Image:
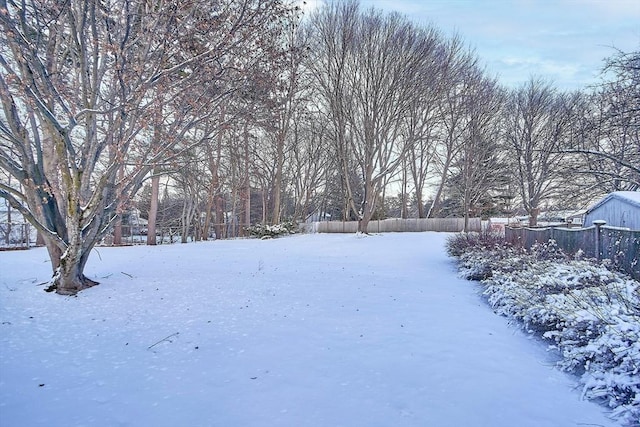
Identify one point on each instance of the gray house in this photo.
(619, 209)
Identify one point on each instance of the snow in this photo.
(310, 330)
(630, 196)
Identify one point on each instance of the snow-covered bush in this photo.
(480, 254)
(461, 243)
(267, 231)
(549, 251)
(589, 313)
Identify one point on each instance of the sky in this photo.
(564, 41)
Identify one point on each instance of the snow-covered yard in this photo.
(311, 330)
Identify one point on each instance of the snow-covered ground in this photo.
(310, 330)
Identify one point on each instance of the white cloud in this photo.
(563, 40)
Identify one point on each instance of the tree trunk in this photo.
(247, 185)
(363, 223)
(69, 278)
(206, 227)
(435, 206)
(188, 209)
(7, 235)
(533, 217)
(219, 226)
(404, 214)
(420, 202)
(368, 207)
(465, 207)
(215, 182)
(55, 253)
(264, 204)
(153, 210)
(117, 231)
(247, 206)
(277, 187)
(117, 228)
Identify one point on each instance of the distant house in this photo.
(555, 218)
(619, 209)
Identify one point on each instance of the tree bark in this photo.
(153, 210)
(533, 217)
(277, 187)
(247, 184)
(117, 231)
(69, 278)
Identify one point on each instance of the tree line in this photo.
(241, 111)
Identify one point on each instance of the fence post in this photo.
(599, 223)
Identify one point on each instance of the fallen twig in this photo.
(163, 339)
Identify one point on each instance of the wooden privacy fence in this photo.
(451, 225)
(621, 246)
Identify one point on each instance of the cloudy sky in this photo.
(564, 41)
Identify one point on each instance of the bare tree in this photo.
(309, 160)
(458, 66)
(286, 100)
(606, 135)
(422, 123)
(537, 126)
(479, 170)
(78, 90)
(367, 66)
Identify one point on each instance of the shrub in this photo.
(549, 251)
(265, 231)
(461, 243)
(590, 314)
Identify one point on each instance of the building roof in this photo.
(631, 197)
